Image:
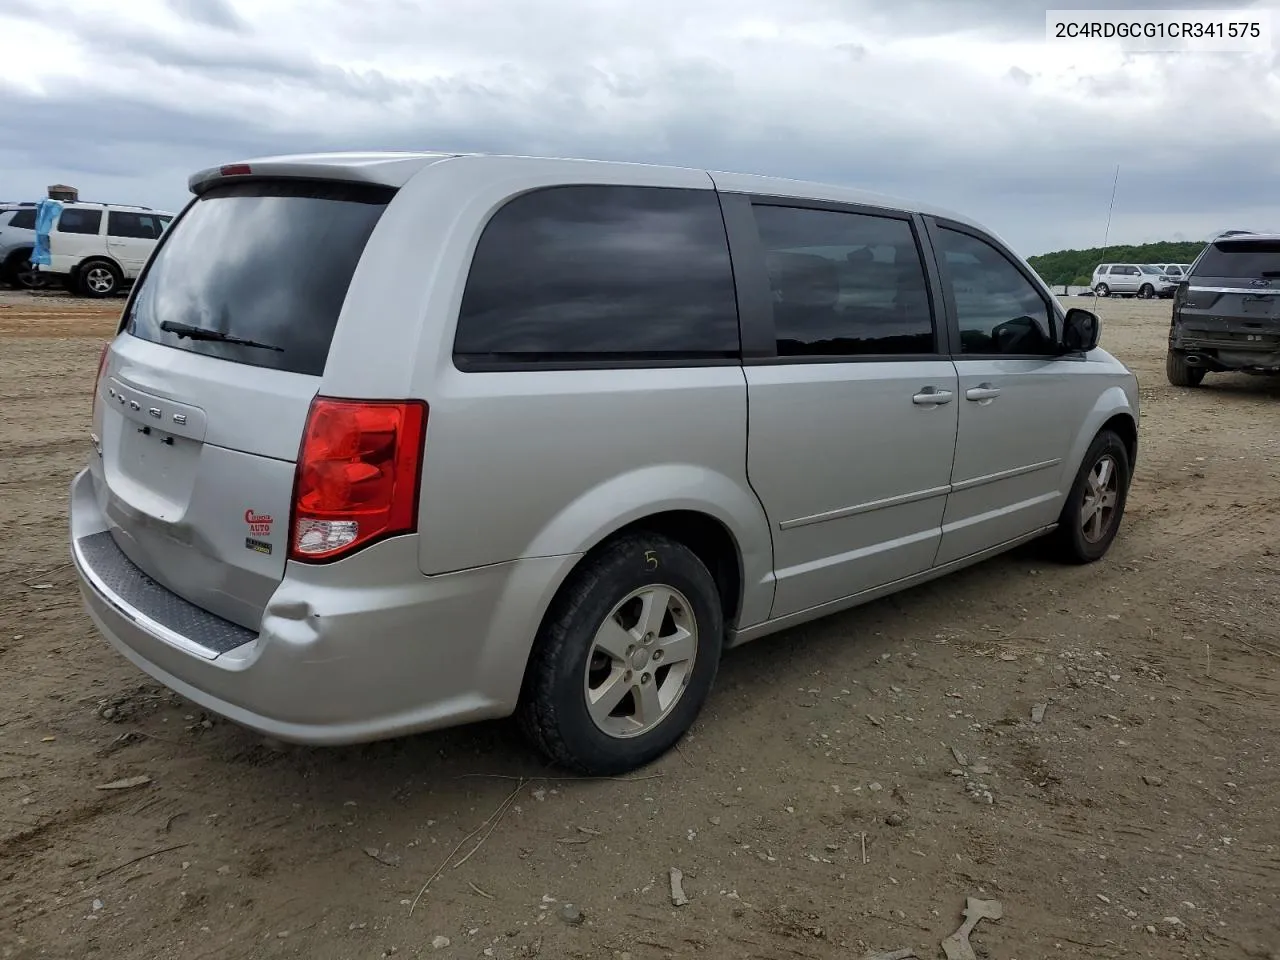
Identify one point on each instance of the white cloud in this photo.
(959, 102)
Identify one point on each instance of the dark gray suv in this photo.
(1226, 314)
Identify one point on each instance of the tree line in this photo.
(1075, 267)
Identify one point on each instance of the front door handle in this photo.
(931, 397)
(982, 392)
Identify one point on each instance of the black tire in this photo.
(27, 277)
(1181, 373)
(1102, 290)
(1070, 541)
(1145, 291)
(553, 709)
(98, 278)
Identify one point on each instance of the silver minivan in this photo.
(391, 442)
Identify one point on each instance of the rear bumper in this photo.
(1223, 351)
(358, 650)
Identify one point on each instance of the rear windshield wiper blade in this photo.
(204, 333)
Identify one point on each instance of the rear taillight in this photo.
(1180, 298)
(357, 476)
(97, 381)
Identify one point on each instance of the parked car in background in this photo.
(1226, 317)
(324, 498)
(17, 238)
(1176, 272)
(1131, 280)
(1172, 274)
(97, 249)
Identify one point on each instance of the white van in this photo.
(98, 248)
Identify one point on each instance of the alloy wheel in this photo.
(1101, 495)
(641, 660)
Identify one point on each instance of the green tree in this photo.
(1076, 266)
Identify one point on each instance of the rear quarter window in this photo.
(23, 220)
(599, 274)
(267, 261)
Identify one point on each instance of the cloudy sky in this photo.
(957, 102)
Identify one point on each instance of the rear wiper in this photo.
(204, 333)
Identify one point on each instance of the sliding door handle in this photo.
(931, 397)
(983, 391)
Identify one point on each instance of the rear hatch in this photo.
(202, 400)
(1232, 297)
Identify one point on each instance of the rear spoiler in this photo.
(380, 169)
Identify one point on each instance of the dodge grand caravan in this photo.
(386, 443)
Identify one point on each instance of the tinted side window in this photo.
(122, 224)
(80, 221)
(141, 226)
(844, 284)
(601, 273)
(999, 310)
(23, 220)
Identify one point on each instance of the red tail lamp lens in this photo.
(357, 475)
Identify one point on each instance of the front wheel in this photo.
(625, 658)
(1091, 517)
(1146, 291)
(1102, 290)
(1180, 373)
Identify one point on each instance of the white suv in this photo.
(96, 248)
(1142, 280)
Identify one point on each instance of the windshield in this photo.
(1148, 268)
(1240, 260)
(263, 261)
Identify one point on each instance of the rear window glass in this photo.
(261, 261)
(1240, 260)
(600, 273)
(23, 220)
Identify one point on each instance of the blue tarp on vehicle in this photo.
(46, 216)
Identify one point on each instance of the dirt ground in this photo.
(849, 785)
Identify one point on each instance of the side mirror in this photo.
(1081, 330)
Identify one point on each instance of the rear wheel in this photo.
(1102, 290)
(1181, 373)
(625, 658)
(1091, 517)
(29, 278)
(99, 278)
